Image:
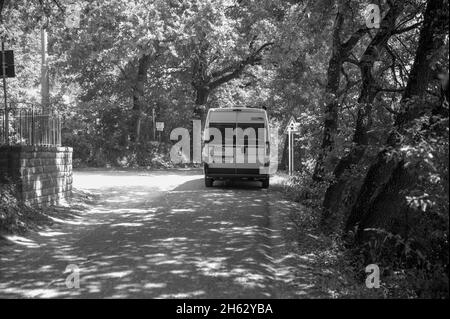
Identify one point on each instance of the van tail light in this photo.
(267, 157)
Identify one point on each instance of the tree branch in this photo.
(353, 40)
(387, 108)
(392, 90)
(233, 71)
(395, 56)
(352, 61)
(214, 84)
(406, 29)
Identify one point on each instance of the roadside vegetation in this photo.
(372, 103)
(15, 217)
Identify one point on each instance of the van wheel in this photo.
(265, 183)
(209, 182)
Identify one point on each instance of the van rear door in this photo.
(251, 131)
(222, 153)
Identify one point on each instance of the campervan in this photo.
(236, 145)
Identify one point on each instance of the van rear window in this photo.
(257, 127)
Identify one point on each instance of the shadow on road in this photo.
(136, 241)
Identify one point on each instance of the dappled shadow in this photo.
(153, 238)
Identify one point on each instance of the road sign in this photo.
(160, 126)
(292, 126)
(9, 64)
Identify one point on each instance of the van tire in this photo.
(265, 183)
(209, 182)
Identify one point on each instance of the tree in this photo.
(381, 202)
(370, 87)
(115, 48)
(340, 52)
(223, 43)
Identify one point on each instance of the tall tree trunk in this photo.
(380, 202)
(204, 81)
(2, 4)
(339, 53)
(201, 98)
(330, 122)
(369, 90)
(200, 79)
(139, 96)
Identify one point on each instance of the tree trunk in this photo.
(330, 123)
(369, 90)
(2, 4)
(201, 98)
(380, 202)
(340, 52)
(204, 80)
(200, 78)
(138, 97)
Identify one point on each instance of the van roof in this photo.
(231, 109)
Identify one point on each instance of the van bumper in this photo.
(234, 173)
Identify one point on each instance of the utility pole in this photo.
(6, 119)
(45, 100)
(154, 124)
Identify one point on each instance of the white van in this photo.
(236, 145)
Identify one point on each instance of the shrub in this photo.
(303, 189)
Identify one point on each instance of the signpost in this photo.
(7, 71)
(154, 123)
(45, 84)
(159, 128)
(8, 57)
(291, 129)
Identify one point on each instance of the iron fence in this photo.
(30, 126)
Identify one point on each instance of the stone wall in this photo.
(42, 175)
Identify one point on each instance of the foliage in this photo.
(301, 188)
(132, 59)
(16, 217)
